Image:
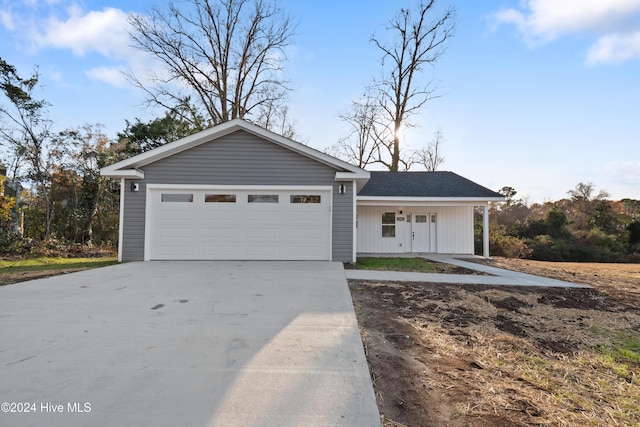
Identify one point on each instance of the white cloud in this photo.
(112, 75)
(614, 22)
(65, 25)
(104, 32)
(626, 173)
(7, 19)
(615, 49)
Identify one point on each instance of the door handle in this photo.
(413, 235)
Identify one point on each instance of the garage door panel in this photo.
(228, 233)
(257, 251)
(262, 233)
(220, 217)
(263, 215)
(220, 251)
(177, 215)
(176, 233)
(307, 253)
(304, 238)
(214, 226)
(176, 250)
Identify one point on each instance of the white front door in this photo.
(423, 233)
(420, 236)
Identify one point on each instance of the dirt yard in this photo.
(472, 355)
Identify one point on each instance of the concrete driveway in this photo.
(185, 343)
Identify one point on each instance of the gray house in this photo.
(239, 192)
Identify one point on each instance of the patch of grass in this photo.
(54, 263)
(14, 271)
(619, 346)
(397, 264)
(587, 388)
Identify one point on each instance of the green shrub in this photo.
(509, 247)
(546, 248)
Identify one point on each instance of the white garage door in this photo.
(239, 224)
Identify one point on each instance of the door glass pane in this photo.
(421, 218)
(176, 198)
(409, 218)
(262, 198)
(300, 198)
(220, 198)
(433, 218)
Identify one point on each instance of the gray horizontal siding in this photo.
(237, 159)
(342, 232)
(133, 223)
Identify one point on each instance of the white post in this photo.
(485, 231)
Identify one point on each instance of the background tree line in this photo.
(585, 227)
(225, 59)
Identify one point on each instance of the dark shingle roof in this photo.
(423, 184)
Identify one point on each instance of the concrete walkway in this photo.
(498, 276)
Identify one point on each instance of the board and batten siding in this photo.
(454, 229)
(239, 158)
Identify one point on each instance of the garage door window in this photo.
(219, 198)
(300, 198)
(262, 198)
(389, 224)
(176, 198)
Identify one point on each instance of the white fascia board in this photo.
(301, 148)
(350, 176)
(417, 201)
(174, 147)
(122, 173)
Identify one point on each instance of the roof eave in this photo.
(350, 176)
(122, 173)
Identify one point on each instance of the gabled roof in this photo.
(128, 168)
(424, 185)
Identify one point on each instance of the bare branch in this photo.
(430, 157)
(367, 134)
(417, 42)
(226, 56)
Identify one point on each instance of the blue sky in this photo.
(538, 95)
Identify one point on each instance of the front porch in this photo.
(420, 228)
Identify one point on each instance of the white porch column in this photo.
(485, 231)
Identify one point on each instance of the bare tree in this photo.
(417, 41)
(227, 56)
(431, 157)
(361, 147)
(274, 115)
